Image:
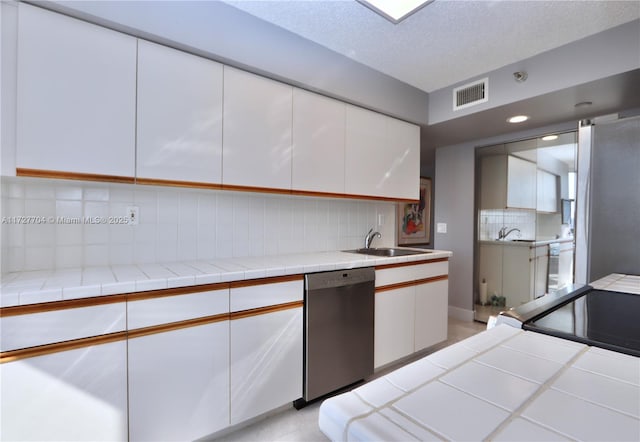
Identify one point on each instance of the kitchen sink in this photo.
(387, 251)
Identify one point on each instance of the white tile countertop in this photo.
(526, 242)
(502, 384)
(617, 282)
(22, 288)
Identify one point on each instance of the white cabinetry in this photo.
(266, 347)
(507, 182)
(318, 143)
(547, 188)
(179, 120)
(76, 96)
(257, 131)
(382, 156)
(179, 370)
(518, 271)
(411, 309)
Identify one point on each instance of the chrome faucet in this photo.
(503, 233)
(369, 238)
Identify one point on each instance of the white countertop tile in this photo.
(521, 430)
(23, 287)
(450, 412)
(520, 364)
(497, 387)
(601, 390)
(378, 392)
(546, 347)
(581, 420)
(625, 368)
(414, 429)
(414, 374)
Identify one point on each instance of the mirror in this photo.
(525, 193)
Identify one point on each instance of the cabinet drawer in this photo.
(30, 330)
(263, 295)
(396, 275)
(167, 309)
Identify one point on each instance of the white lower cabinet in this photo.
(179, 383)
(411, 312)
(266, 362)
(394, 325)
(432, 305)
(73, 395)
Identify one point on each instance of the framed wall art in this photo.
(414, 220)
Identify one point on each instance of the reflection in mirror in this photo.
(525, 221)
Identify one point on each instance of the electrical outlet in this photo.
(133, 213)
(441, 227)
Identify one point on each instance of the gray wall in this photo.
(454, 205)
(221, 32)
(610, 52)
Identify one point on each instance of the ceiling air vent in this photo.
(471, 94)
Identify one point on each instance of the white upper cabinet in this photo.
(318, 143)
(521, 183)
(179, 116)
(547, 192)
(76, 95)
(257, 131)
(382, 156)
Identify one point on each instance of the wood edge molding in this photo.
(404, 284)
(264, 310)
(60, 175)
(61, 305)
(264, 281)
(410, 263)
(81, 176)
(176, 291)
(171, 326)
(177, 183)
(41, 350)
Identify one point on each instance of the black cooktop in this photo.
(600, 318)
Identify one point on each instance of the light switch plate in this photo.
(441, 227)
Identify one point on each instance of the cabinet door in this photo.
(179, 116)
(179, 383)
(547, 191)
(394, 325)
(493, 182)
(431, 313)
(318, 143)
(403, 145)
(382, 155)
(74, 395)
(76, 95)
(266, 362)
(521, 183)
(257, 131)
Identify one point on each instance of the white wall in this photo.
(175, 224)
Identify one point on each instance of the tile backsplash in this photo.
(491, 221)
(78, 224)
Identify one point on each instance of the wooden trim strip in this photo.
(61, 305)
(177, 183)
(263, 281)
(60, 175)
(411, 283)
(162, 328)
(41, 350)
(176, 291)
(411, 263)
(265, 310)
(235, 188)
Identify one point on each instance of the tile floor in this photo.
(302, 425)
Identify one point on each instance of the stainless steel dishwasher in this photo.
(338, 332)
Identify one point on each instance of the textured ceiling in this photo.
(447, 41)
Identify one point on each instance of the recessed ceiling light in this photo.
(550, 138)
(518, 119)
(395, 10)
